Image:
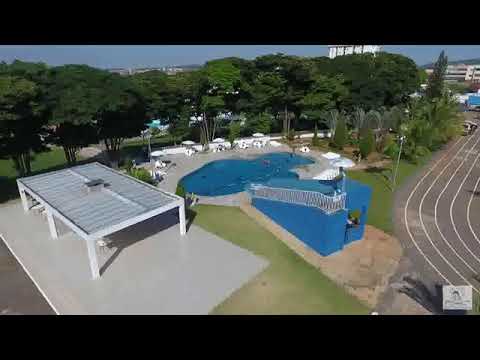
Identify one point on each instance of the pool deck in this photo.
(187, 164)
(151, 269)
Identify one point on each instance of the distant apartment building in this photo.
(339, 50)
(461, 73)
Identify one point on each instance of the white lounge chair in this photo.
(257, 144)
(189, 152)
(243, 145)
(160, 164)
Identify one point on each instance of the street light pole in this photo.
(402, 138)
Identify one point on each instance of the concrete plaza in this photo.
(149, 268)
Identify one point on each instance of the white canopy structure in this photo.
(258, 135)
(343, 162)
(327, 174)
(188, 142)
(95, 201)
(218, 140)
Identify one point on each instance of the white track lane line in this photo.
(468, 211)
(30, 276)
(436, 207)
(451, 210)
(405, 218)
(423, 224)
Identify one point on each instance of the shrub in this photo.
(392, 150)
(180, 191)
(234, 132)
(142, 175)
(340, 136)
(384, 142)
(128, 165)
(367, 143)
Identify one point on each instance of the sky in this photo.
(134, 56)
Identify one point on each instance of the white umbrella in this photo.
(258, 135)
(218, 140)
(343, 162)
(188, 142)
(331, 156)
(157, 153)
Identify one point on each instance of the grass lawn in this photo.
(380, 213)
(288, 286)
(50, 160)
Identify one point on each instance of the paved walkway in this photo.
(435, 219)
(150, 270)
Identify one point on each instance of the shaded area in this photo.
(8, 189)
(18, 294)
(122, 239)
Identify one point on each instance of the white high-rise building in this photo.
(339, 50)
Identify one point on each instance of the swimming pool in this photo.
(224, 177)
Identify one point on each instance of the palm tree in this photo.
(374, 120)
(331, 118)
(358, 119)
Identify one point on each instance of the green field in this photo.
(380, 213)
(289, 285)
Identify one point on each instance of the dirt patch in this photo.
(363, 267)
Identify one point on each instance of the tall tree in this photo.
(292, 75)
(340, 136)
(435, 84)
(21, 123)
(322, 96)
(75, 95)
(122, 114)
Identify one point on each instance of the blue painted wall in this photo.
(326, 234)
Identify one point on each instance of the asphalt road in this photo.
(437, 215)
(18, 294)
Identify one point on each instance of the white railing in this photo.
(329, 204)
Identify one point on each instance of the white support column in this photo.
(51, 225)
(23, 196)
(92, 257)
(181, 216)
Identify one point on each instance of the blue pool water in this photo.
(224, 177)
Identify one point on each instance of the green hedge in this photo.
(142, 174)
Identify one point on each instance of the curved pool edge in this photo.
(241, 188)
